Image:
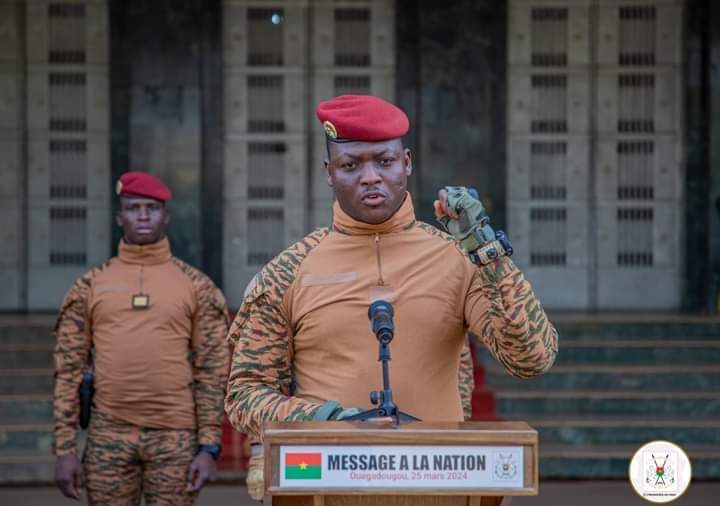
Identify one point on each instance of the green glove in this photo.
(472, 230)
(332, 410)
(345, 413)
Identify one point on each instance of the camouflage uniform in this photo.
(514, 328)
(123, 459)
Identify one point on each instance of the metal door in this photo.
(68, 145)
(594, 151)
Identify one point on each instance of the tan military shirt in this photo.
(305, 318)
(157, 327)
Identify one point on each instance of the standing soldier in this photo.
(303, 320)
(155, 328)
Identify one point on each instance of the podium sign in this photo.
(325, 461)
(387, 466)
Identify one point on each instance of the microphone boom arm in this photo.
(380, 314)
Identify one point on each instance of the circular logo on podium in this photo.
(660, 471)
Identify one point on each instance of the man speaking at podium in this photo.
(303, 347)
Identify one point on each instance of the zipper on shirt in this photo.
(380, 280)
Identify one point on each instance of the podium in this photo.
(418, 464)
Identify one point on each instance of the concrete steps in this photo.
(614, 387)
(676, 378)
(608, 402)
(698, 352)
(565, 461)
(18, 409)
(18, 467)
(18, 381)
(26, 386)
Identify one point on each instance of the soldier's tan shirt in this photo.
(305, 317)
(163, 366)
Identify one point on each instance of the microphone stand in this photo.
(384, 398)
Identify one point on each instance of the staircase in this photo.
(26, 385)
(614, 387)
(26, 419)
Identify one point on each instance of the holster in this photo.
(86, 391)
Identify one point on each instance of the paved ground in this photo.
(588, 493)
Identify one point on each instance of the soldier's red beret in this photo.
(361, 118)
(142, 184)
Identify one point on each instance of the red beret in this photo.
(142, 184)
(361, 118)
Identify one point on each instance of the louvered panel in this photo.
(265, 103)
(550, 243)
(265, 36)
(548, 169)
(267, 223)
(68, 124)
(266, 170)
(68, 102)
(352, 37)
(345, 64)
(639, 174)
(548, 121)
(549, 33)
(543, 102)
(639, 33)
(638, 256)
(632, 162)
(638, 169)
(352, 85)
(266, 123)
(639, 102)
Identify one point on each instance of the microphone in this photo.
(380, 314)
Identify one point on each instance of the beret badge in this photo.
(330, 130)
(118, 187)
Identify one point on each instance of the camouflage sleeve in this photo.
(260, 373)
(502, 310)
(72, 353)
(466, 380)
(261, 368)
(210, 356)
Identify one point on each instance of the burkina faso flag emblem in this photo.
(303, 466)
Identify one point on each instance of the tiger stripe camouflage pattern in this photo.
(517, 312)
(122, 462)
(209, 354)
(263, 346)
(466, 381)
(514, 329)
(72, 356)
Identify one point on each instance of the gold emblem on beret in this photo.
(330, 130)
(118, 187)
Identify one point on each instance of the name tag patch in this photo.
(328, 279)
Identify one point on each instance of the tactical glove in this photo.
(332, 410)
(472, 229)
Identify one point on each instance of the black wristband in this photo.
(214, 450)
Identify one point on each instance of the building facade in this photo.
(586, 125)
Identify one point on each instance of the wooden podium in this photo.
(418, 464)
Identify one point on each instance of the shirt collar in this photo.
(145, 254)
(402, 219)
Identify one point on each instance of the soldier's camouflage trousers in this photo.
(123, 462)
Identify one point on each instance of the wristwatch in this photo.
(491, 251)
(213, 449)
